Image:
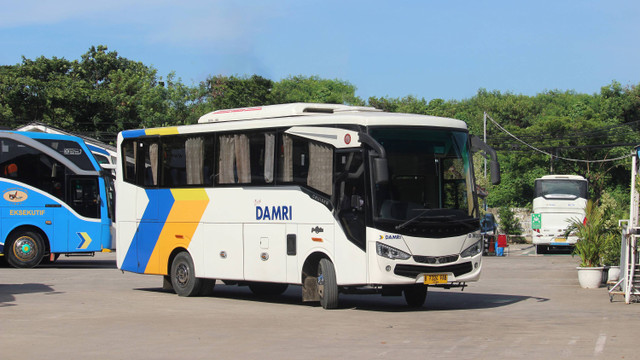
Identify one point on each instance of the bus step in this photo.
(89, 254)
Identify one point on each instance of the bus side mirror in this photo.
(380, 171)
(495, 172)
(477, 145)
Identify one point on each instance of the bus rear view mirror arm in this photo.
(479, 145)
(380, 168)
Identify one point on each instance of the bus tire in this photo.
(415, 295)
(327, 284)
(26, 249)
(268, 289)
(183, 277)
(541, 249)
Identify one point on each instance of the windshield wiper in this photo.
(442, 218)
(422, 215)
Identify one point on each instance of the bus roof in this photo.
(562, 177)
(42, 135)
(298, 114)
(31, 139)
(283, 110)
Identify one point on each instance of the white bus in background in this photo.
(334, 198)
(558, 199)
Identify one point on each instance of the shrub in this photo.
(509, 224)
(593, 234)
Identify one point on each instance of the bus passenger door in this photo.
(265, 252)
(83, 195)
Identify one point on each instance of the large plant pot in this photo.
(590, 277)
(613, 275)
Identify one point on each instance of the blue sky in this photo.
(430, 49)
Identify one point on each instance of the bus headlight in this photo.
(391, 252)
(472, 250)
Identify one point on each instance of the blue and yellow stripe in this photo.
(179, 212)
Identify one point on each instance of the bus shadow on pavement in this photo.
(242, 293)
(80, 264)
(8, 292)
(440, 301)
(436, 300)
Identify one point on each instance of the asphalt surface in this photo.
(524, 307)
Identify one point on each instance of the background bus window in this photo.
(28, 165)
(84, 196)
(70, 150)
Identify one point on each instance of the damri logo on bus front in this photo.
(274, 212)
(390, 237)
(15, 195)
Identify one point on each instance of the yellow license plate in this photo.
(560, 240)
(436, 279)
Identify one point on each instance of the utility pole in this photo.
(485, 141)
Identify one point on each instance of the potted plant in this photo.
(611, 257)
(593, 234)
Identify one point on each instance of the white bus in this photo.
(335, 198)
(558, 200)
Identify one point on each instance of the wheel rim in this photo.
(25, 248)
(182, 274)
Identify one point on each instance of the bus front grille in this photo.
(412, 271)
(435, 259)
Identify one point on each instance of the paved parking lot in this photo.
(525, 306)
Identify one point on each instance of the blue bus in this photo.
(56, 199)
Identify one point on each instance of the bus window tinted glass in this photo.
(28, 165)
(71, 150)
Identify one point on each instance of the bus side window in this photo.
(246, 158)
(306, 162)
(129, 161)
(234, 161)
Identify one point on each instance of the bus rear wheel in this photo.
(26, 250)
(327, 284)
(183, 276)
(415, 295)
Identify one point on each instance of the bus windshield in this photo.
(561, 189)
(430, 177)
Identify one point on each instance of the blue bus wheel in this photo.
(26, 250)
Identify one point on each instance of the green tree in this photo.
(229, 92)
(314, 90)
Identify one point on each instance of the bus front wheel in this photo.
(327, 284)
(26, 250)
(183, 277)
